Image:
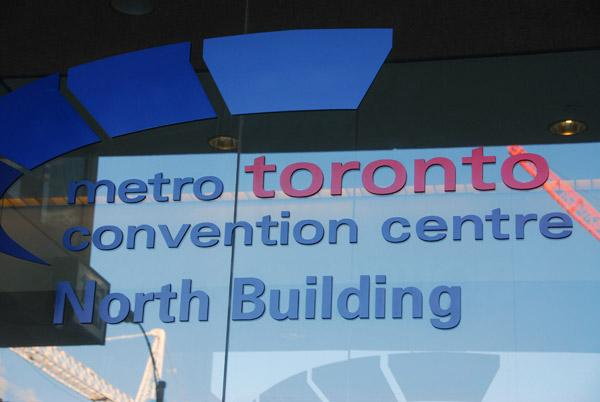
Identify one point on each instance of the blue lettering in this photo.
(67, 239)
(386, 230)
(104, 308)
(139, 188)
(65, 291)
(565, 223)
(239, 299)
(423, 227)
(453, 310)
(362, 293)
(317, 237)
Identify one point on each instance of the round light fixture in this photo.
(132, 7)
(567, 127)
(223, 143)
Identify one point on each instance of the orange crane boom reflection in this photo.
(566, 196)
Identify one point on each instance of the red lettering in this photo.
(476, 160)
(507, 171)
(369, 172)
(337, 175)
(286, 179)
(449, 173)
(258, 179)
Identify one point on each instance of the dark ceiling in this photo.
(39, 37)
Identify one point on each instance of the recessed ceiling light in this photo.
(132, 7)
(568, 127)
(223, 143)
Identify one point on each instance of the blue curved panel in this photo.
(38, 124)
(10, 247)
(8, 176)
(296, 70)
(141, 90)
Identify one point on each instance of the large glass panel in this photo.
(419, 306)
(484, 288)
(140, 232)
(175, 257)
(360, 284)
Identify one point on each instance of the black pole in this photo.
(159, 385)
(160, 391)
(149, 350)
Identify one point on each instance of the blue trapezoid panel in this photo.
(141, 90)
(8, 176)
(38, 124)
(321, 69)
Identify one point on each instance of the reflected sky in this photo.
(524, 301)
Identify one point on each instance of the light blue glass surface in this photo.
(527, 332)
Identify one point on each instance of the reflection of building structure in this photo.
(393, 377)
(29, 308)
(65, 369)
